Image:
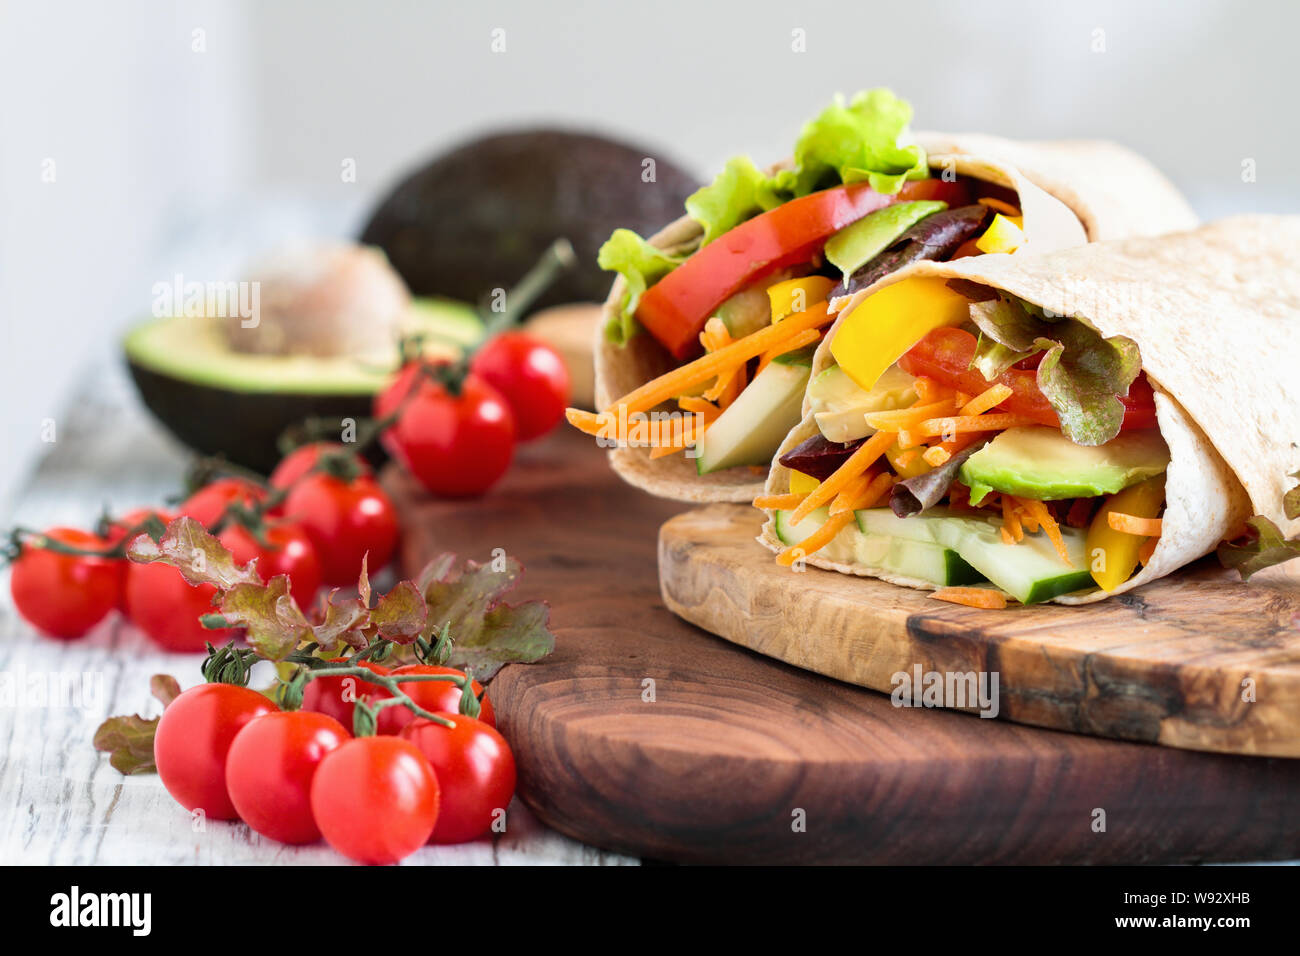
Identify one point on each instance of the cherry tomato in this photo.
(676, 307)
(208, 503)
(288, 551)
(193, 739)
(270, 767)
(475, 769)
(375, 799)
(337, 696)
(432, 695)
(65, 595)
(303, 459)
(345, 520)
(455, 445)
(945, 355)
(532, 378)
(167, 608)
(118, 529)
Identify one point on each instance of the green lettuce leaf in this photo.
(856, 143)
(641, 265)
(1262, 547)
(1082, 374)
(739, 192)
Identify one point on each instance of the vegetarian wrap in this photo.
(1058, 427)
(710, 328)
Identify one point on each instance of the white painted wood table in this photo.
(60, 801)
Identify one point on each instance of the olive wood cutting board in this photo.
(645, 734)
(1199, 660)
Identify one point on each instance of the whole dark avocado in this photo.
(476, 218)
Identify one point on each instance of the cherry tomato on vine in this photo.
(432, 695)
(455, 445)
(531, 376)
(475, 769)
(375, 799)
(269, 770)
(303, 459)
(65, 595)
(337, 696)
(288, 550)
(167, 608)
(208, 503)
(345, 520)
(193, 739)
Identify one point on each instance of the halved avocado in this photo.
(237, 404)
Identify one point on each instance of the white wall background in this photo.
(169, 143)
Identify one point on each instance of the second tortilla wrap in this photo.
(1071, 192)
(1215, 313)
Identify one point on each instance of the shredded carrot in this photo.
(997, 204)
(806, 337)
(854, 490)
(961, 398)
(874, 491)
(1080, 513)
(1011, 530)
(955, 425)
(778, 502)
(908, 439)
(1132, 524)
(928, 390)
(981, 403)
(715, 335)
(906, 419)
(699, 406)
(585, 421)
(972, 597)
(907, 457)
(685, 432)
(1038, 511)
(861, 459)
(680, 379)
(936, 456)
(1148, 548)
(815, 541)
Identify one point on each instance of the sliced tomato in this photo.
(945, 356)
(676, 307)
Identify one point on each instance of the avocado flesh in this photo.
(754, 425)
(839, 403)
(1037, 461)
(854, 246)
(220, 402)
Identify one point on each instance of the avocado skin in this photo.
(242, 427)
(477, 218)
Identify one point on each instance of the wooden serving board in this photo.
(735, 749)
(1199, 660)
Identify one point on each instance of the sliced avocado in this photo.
(1036, 461)
(923, 560)
(750, 309)
(754, 425)
(839, 403)
(854, 246)
(236, 404)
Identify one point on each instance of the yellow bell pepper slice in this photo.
(797, 295)
(1004, 234)
(879, 331)
(801, 484)
(917, 466)
(1113, 555)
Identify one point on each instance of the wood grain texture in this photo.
(735, 748)
(1169, 663)
(60, 801)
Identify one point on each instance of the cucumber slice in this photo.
(923, 560)
(1030, 570)
(752, 428)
